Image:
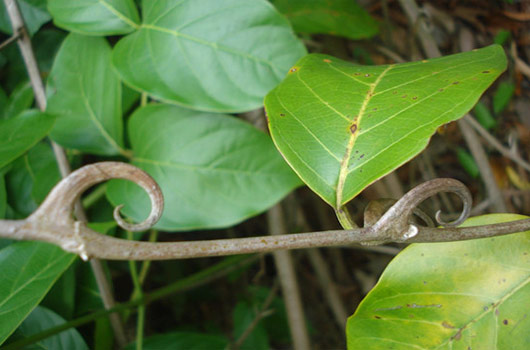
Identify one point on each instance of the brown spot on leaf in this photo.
(394, 92)
(446, 324)
(441, 89)
(485, 71)
(353, 128)
(377, 317)
(357, 73)
(456, 82)
(282, 115)
(415, 98)
(367, 75)
(403, 96)
(424, 61)
(505, 322)
(292, 70)
(326, 60)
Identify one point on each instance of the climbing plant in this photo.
(155, 97)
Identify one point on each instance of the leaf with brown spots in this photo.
(456, 295)
(333, 108)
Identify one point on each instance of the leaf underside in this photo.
(342, 126)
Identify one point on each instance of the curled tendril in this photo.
(60, 202)
(395, 222)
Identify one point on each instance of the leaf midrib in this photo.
(214, 46)
(118, 14)
(94, 118)
(343, 172)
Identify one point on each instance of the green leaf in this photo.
(502, 96)
(182, 340)
(337, 17)
(29, 269)
(41, 319)
(243, 316)
(457, 295)
(483, 115)
(20, 99)
(34, 14)
(85, 94)
(214, 170)
(61, 297)
(468, 162)
(31, 178)
(19, 134)
(208, 55)
(95, 17)
(502, 36)
(343, 126)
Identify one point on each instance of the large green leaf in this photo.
(19, 134)
(342, 126)
(337, 17)
(95, 17)
(41, 319)
(207, 54)
(85, 94)
(214, 170)
(457, 295)
(34, 14)
(29, 269)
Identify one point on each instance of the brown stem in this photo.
(53, 222)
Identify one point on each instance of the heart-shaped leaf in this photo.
(338, 17)
(85, 95)
(342, 126)
(95, 17)
(209, 55)
(455, 295)
(214, 170)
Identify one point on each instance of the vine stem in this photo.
(52, 222)
(30, 62)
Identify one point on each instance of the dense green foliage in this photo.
(153, 83)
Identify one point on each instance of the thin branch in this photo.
(505, 151)
(329, 287)
(263, 312)
(28, 55)
(288, 282)
(9, 40)
(53, 222)
(480, 156)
